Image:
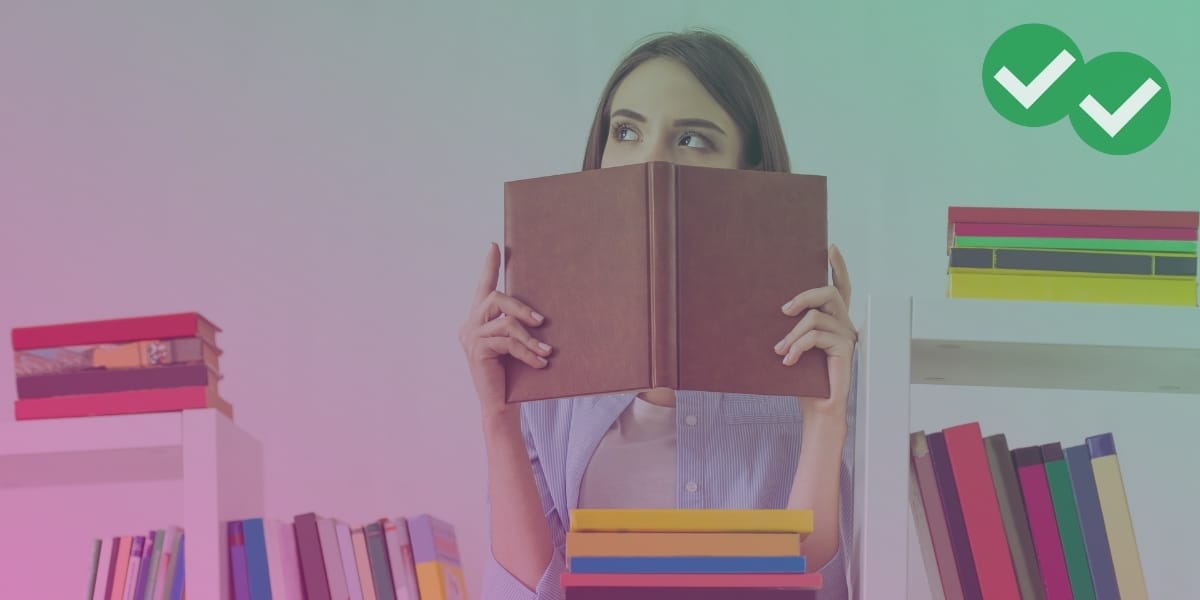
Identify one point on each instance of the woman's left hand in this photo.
(828, 327)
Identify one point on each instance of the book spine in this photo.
(362, 562)
(311, 559)
(113, 331)
(1043, 523)
(377, 557)
(354, 586)
(1074, 231)
(1068, 522)
(687, 564)
(952, 508)
(258, 572)
(981, 511)
(103, 380)
(1118, 521)
(663, 242)
(1091, 522)
(1074, 216)
(929, 516)
(120, 403)
(1016, 519)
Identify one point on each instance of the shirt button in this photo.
(690, 420)
(691, 486)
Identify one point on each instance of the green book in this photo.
(1173, 246)
(1062, 494)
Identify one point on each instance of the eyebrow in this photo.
(701, 123)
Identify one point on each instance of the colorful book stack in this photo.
(321, 558)
(1073, 255)
(139, 567)
(1035, 522)
(157, 363)
(697, 554)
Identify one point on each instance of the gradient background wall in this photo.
(322, 180)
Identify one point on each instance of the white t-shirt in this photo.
(634, 465)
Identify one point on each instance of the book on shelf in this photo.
(1072, 255)
(688, 553)
(153, 363)
(660, 275)
(142, 566)
(1039, 521)
(312, 556)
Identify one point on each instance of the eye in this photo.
(694, 140)
(624, 133)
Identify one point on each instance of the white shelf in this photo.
(217, 463)
(1148, 349)
(931, 341)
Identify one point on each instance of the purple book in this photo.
(312, 561)
(955, 523)
(177, 583)
(139, 592)
(1091, 521)
(114, 380)
(112, 568)
(239, 580)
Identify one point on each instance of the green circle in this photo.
(1112, 80)
(1024, 57)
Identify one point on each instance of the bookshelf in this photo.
(218, 465)
(908, 341)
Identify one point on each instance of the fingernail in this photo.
(779, 346)
(536, 316)
(788, 305)
(542, 360)
(545, 347)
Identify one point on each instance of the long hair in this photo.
(729, 76)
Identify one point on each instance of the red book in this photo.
(1074, 216)
(115, 331)
(1074, 231)
(981, 512)
(122, 403)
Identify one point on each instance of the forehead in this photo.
(664, 89)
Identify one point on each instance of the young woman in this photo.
(693, 99)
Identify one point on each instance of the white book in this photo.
(135, 560)
(346, 548)
(327, 532)
(404, 578)
(363, 557)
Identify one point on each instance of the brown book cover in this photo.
(660, 275)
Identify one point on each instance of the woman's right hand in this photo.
(496, 326)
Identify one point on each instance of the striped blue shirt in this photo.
(734, 451)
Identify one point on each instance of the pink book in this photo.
(795, 581)
(114, 331)
(981, 512)
(1073, 231)
(400, 558)
(162, 581)
(292, 587)
(1043, 524)
(122, 567)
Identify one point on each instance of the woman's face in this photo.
(661, 112)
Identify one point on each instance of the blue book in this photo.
(687, 564)
(177, 584)
(255, 537)
(1091, 521)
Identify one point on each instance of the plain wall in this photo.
(322, 181)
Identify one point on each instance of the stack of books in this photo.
(156, 363)
(1040, 521)
(141, 567)
(696, 554)
(314, 557)
(1073, 255)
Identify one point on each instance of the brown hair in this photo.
(729, 76)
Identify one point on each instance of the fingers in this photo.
(508, 326)
(832, 343)
(826, 299)
(491, 275)
(841, 277)
(496, 303)
(492, 347)
(815, 320)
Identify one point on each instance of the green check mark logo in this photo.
(1034, 75)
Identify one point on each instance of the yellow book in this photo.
(630, 543)
(695, 520)
(1118, 523)
(1060, 286)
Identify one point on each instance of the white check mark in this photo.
(1028, 94)
(1113, 123)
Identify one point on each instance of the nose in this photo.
(659, 153)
